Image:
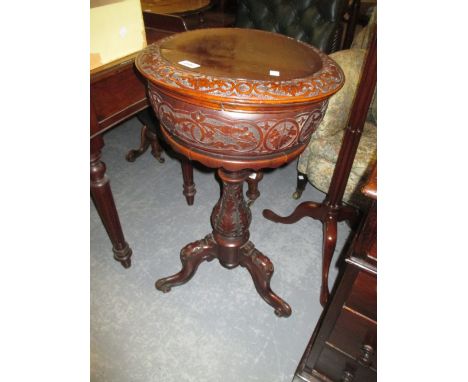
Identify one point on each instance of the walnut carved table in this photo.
(237, 100)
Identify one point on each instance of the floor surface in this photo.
(216, 327)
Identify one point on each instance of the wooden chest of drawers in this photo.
(343, 346)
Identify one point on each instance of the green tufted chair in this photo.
(317, 22)
(318, 160)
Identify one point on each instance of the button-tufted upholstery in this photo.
(317, 22)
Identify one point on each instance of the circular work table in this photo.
(237, 100)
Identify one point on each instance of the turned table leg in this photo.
(252, 181)
(191, 256)
(187, 175)
(229, 243)
(104, 201)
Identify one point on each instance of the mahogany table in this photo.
(237, 100)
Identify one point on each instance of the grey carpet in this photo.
(216, 327)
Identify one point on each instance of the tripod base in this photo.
(259, 266)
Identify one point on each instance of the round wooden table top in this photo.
(173, 6)
(246, 65)
(238, 98)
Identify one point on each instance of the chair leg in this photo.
(252, 182)
(189, 185)
(301, 185)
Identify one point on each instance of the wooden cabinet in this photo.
(343, 346)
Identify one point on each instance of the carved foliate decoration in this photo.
(321, 84)
(231, 216)
(197, 247)
(232, 132)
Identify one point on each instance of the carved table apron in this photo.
(237, 100)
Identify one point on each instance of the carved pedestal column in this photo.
(229, 242)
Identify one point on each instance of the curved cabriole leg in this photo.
(252, 181)
(229, 243)
(144, 144)
(147, 138)
(329, 244)
(104, 202)
(261, 269)
(191, 256)
(310, 209)
(189, 186)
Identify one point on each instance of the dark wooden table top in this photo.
(242, 53)
(244, 65)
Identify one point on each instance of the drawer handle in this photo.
(365, 357)
(347, 376)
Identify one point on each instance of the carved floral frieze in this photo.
(231, 133)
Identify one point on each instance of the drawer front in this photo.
(113, 95)
(340, 368)
(363, 295)
(356, 336)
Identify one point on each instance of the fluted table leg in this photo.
(104, 202)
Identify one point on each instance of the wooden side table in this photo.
(237, 100)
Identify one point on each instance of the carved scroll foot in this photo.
(191, 256)
(261, 269)
(147, 138)
(144, 144)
